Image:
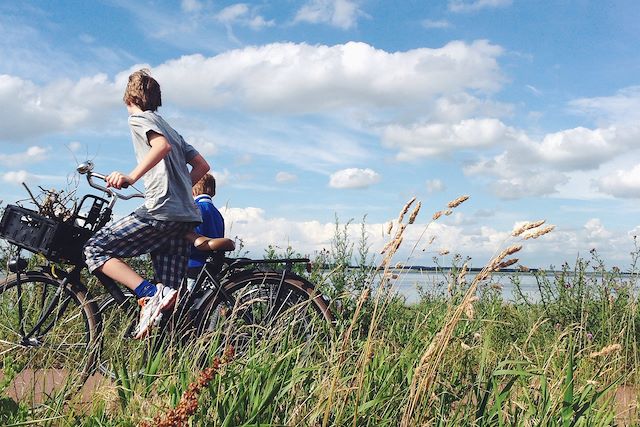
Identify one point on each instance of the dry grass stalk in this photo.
(428, 367)
(538, 233)
(457, 202)
(469, 310)
(493, 265)
(437, 215)
(462, 275)
(405, 209)
(507, 263)
(414, 214)
(527, 226)
(606, 350)
(443, 252)
(448, 212)
(389, 227)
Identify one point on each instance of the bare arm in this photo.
(160, 147)
(199, 167)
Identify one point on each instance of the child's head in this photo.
(143, 91)
(206, 185)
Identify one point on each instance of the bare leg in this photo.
(121, 272)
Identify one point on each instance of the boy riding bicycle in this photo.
(212, 225)
(169, 212)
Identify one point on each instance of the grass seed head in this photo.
(405, 209)
(437, 215)
(527, 226)
(537, 233)
(457, 202)
(606, 350)
(414, 214)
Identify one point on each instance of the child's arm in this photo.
(160, 147)
(199, 167)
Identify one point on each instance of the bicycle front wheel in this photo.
(46, 327)
(263, 305)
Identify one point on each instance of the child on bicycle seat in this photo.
(169, 212)
(212, 222)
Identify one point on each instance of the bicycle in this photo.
(49, 319)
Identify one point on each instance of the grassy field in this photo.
(460, 357)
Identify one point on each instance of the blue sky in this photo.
(311, 109)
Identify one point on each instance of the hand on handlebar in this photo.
(118, 180)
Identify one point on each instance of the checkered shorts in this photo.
(134, 235)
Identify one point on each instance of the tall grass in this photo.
(458, 358)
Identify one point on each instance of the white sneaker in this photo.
(152, 308)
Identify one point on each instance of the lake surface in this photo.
(408, 282)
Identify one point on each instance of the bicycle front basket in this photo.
(56, 240)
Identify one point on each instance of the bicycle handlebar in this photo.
(86, 168)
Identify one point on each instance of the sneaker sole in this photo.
(167, 303)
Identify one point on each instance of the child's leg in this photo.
(128, 237)
(170, 261)
(121, 272)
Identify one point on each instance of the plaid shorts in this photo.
(134, 235)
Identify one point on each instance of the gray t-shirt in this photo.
(167, 185)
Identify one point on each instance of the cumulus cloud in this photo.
(622, 183)
(434, 139)
(579, 148)
(338, 13)
(461, 6)
(354, 178)
(284, 177)
(17, 177)
(300, 78)
(33, 154)
(58, 106)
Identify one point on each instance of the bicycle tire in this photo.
(273, 305)
(65, 342)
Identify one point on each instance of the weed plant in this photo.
(447, 360)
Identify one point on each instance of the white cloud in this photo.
(354, 178)
(338, 13)
(579, 148)
(17, 177)
(435, 186)
(231, 13)
(434, 139)
(461, 6)
(222, 177)
(59, 106)
(284, 177)
(622, 183)
(300, 78)
(32, 154)
(623, 107)
(595, 229)
(241, 14)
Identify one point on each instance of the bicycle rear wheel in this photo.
(63, 343)
(261, 306)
